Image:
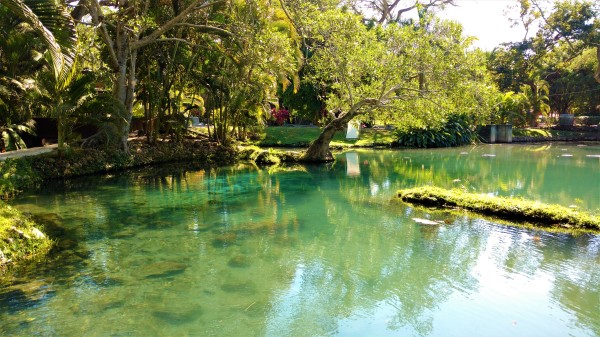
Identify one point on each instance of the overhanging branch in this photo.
(196, 5)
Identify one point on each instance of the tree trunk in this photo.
(597, 73)
(535, 106)
(318, 151)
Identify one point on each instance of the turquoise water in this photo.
(312, 251)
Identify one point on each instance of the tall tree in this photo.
(540, 66)
(573, 25)
(125, 27)
(386, 11)
(241, 72)
(397, 73)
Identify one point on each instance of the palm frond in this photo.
(53, 23)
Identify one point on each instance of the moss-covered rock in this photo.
(20, 238)
(515, 209)
(268, 156)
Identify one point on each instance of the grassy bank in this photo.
(535, 213)
(20, 239)
(287, 136)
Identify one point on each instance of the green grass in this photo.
(302, 137)
(20, 239)
(512, 209)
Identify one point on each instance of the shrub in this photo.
(457, 131)
(16, 175)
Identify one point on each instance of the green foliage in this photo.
(240, 73)
(455, 132)
(305, 104)
(11, 135)
(511, 108)
(556, 69)
(20, 59)
(20, 238)
(108, 113)
(52, 22)
(64, 101)
(414, 76)
(587, 120)
(16, 175)
(573, 88)
(537, 213)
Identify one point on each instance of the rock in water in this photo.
(225, 240)
(162, 269)
(176, 316)
(37, 233)
(239, 261)
(426, 222)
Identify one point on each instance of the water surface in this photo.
(313, 251)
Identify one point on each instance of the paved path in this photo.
(28, 152)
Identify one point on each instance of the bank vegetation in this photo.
(513, 209)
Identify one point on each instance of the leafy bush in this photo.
(455, 132)
(16, 175)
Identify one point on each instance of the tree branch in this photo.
(207, 29)
(196, 5)
(94, 8)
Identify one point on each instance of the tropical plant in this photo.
(411, 75)
(240, 74)
(11, 135)
(458, 130)
(51, 21)
(127, 27)
(510, 108)
(65, 102)
(53, 24)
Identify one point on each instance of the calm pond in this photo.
(313, 251)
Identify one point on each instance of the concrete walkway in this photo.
(28, 152)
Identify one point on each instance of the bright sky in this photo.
(487, 20)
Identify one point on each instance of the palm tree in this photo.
(53, 24)
(51, 21)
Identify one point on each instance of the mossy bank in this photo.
(29, 172)
(512, 209)
(21, 239)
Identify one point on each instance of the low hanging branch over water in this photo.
(513, 209)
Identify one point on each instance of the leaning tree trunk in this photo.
(318, 151)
